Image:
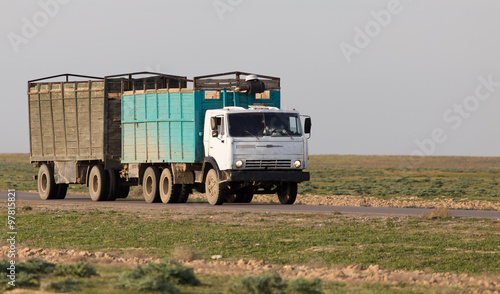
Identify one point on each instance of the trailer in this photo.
(150, 129)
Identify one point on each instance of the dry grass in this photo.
(438, 213)
(135, 253)
(135, 192)
(184, 254)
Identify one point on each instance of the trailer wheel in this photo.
(113, 185)
(185, 191)
(169, 192)
(98, 183)
(150, 187)
(287, 193)
(215, 190)
(47, 187)
(123, 191)
(62, 189)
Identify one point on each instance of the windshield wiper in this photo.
(252, 134)
(288, 134)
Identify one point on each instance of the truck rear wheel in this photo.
(47, 187)
(245, 195)
(287, 193)
(113, 185)
(169, 192)
(150, 185)
(123, 191)
(62, 189)
(98, 183)
(185, 191)
(215, 190)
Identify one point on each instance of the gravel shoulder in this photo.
(410, 202)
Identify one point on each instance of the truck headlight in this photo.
(297, 163)
(239, 163)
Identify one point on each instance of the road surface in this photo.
(253, 207)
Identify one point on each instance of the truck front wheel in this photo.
(215, 190)
(47, 187)
(98, 183)
(287, 193)
(150, 185)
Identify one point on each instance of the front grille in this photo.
(279, 163)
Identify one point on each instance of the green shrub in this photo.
(270, 282)
(36, 266)
(65, 285)
(173, 273)
(78, 269)
(158, 277)
(27, 273)
(140, 280)
(303, 286)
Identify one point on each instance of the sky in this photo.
(378, 77)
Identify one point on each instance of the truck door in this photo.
(217, 145)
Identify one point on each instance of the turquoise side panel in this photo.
(159, 127)
(168, 127)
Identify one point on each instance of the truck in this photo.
(226, 137)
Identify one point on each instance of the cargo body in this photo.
(74, 122)
(167, 125)
(226, 137)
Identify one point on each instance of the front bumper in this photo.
(265, 176)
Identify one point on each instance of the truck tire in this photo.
(114, 181)
(47, 188)
(98, 183)
(169, 192)
(215, 190)
(123, 191)
(185, 191)
(245, 195)
(62, 189)
(150, 185)
(287, 193)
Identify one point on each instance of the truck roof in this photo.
(251, 108)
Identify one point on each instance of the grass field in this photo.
(467, 246)
(428, 178)
(462, 246)
(109, 280)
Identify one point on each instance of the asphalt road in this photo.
(255, 207)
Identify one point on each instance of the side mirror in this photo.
(215, 133)
(307, 125)
(213, 123)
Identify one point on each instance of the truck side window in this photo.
(220, 125)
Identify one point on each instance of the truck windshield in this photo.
(264, 124)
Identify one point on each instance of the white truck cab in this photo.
(259, 149)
